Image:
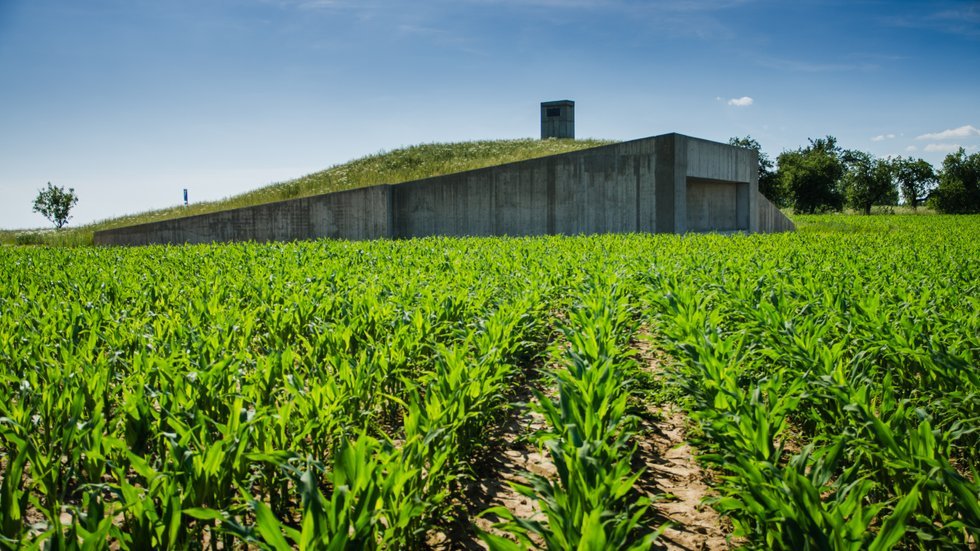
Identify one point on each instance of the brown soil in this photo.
(672, 472)
(514, 455)
(671, 476)
(669, 470)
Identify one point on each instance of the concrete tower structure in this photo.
(558, 119)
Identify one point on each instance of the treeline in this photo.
(823, 177)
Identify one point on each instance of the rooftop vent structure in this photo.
(558, 119)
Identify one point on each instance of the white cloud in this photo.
(961, 132)
(882, 137)
(943, 147)
(911, 148)
(743, 101)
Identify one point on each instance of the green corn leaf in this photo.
(893, 528)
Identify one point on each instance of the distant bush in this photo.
(29, 238)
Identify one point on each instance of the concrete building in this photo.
(558, 119)
(663, 184)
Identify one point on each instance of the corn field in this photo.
(333, 395)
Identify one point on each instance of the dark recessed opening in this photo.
(554, 111)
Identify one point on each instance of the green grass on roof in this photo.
(388, 167)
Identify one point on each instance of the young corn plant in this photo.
(593, 503)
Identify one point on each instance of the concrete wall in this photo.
(668, 183)
(714, 206)
(771, 219)
(605, 189)
(355, 214)
(722, 187)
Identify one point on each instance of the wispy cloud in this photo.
(743, 101)
(407, 28)
(801, 66)
(676, 6)
(964, 131)
(558, 4)
(959, 18)
(882, 137)
(911, 148)
(321, 4)
(703, 19)
(312, 4)
(702, 5)
(947, 147)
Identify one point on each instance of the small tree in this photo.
(868, 181)
(54, 203)
(769, 184)
(916, 178)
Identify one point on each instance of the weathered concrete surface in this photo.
(558, 119)
(669, 183)
(713, 206)
(771, 219)
(599, 190)
(355, 214)
(722, 187)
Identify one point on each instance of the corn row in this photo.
(593, 503)
(164, 416)
(391, 494)
(333, 394)
(837, 371)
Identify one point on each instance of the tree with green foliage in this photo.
(55, 204)
(769, 184)
(811, 176)
(867, 181)
(959, 184)
(916, 178)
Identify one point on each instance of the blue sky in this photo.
(130, 101)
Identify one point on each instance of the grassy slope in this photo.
(400, 165)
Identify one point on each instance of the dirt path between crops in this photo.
(672, 477)
(672, 472)
(514, 455)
